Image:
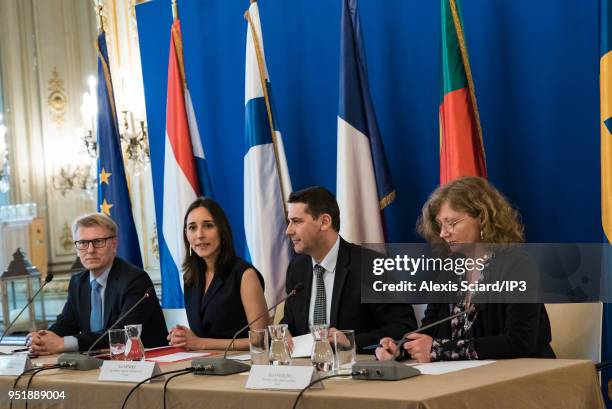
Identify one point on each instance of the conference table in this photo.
(517, 383)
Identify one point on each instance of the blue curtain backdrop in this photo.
(535, 67)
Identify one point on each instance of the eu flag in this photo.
(113, 194)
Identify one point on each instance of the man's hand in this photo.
(341, 338)
(45, 342)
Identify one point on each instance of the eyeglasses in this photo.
(449, 225)
(97, 243)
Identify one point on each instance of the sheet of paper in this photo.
(179, 356)
(175, 316)
(302, 346)
(439, 368)
(240, 357)
(7, 349)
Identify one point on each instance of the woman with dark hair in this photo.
(222, 292)
(469, 216)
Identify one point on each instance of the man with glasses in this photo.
(98, 296)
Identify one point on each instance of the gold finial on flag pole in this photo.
(99, 7)
(253, 1)
(174, 10)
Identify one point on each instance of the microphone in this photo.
(48, 279)
(85, 362)
(392, 370)
(224, 366)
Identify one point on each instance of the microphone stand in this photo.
(85, 362)
(223, 365)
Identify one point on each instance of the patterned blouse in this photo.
(461, 345)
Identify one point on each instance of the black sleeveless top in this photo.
(219, 312)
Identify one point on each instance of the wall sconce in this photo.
(78, 179)
(91, 145)
(5, 169)
(89, 111)
(134, 140)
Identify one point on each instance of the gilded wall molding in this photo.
(57, 99)
(65, 240)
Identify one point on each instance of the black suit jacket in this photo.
(500, 331)
(371, 322)
(503, 330)
(126, 284)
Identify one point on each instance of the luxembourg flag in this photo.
(266, 177)
(364, 186)
(185, 172)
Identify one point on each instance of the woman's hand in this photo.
(419, 347)
(388, 351)
(181, 336)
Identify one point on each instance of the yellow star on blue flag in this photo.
(110, 162)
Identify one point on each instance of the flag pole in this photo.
(468, 70)
(260, 65)
(178, 44)
(99, 7)
(174, 10)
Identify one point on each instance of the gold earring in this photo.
(190, 250)
(481, 235)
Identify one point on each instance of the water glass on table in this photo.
(258, 345)
(116, 340)
(346, 354)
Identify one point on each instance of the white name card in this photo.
(128, 371)
(282, 377)
(14, 365)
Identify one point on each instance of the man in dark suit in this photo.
(330, 269)
(98, 296)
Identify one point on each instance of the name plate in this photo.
(282, 377)
(128, 371)
(14, 365)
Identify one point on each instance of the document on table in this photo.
(439, 368)
(178, 356)
(302, 346)
(240, 357)
(8, 349)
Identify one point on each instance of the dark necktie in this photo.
(320, 308)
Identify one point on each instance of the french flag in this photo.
(185, 173)
(364, 186)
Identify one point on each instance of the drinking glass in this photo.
(346, 355)
(116, 340)
(258, 345)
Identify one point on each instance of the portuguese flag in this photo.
(461, 147)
